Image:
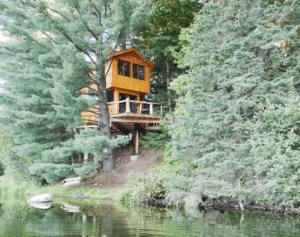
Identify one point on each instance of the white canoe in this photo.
(69, 208)
(45, 197)
(71, 181)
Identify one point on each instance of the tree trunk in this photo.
(168, 83)
(108, 160)
(122, 45)
(80, 158)
(72, 158)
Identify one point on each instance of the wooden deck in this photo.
(128, 112)
(131, 111)
(134, 118)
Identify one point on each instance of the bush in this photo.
(52, 173)
(155, 140)
(150, 185)
(85, 168)
(125, 195)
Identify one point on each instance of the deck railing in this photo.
(133, 106)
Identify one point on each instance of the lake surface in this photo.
(106, 219)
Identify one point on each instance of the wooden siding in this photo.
(109, 77)
(122, 84)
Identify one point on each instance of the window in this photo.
(124, 96)
(110, 96)
(138, 72)
(124, 68)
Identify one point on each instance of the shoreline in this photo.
(11, 190)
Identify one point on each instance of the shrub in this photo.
(155, 140)
(52, 173)
(85, 168)
(150, 185)
(125, 195)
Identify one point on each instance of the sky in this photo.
(3, 38)
(1, 85)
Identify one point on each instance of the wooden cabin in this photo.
(127, 83)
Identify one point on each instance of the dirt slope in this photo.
(123, 165)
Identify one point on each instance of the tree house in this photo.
(127, 83)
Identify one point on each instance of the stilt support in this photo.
(137, 142)
(85, 158)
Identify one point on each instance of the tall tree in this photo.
(237, 129)
(161, 41)
(57, 49)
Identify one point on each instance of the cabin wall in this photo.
(127, 92)
(129, 83)
(121, 84)
(89, 117)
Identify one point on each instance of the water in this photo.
(92, 218)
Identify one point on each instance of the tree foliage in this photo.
(236, 130)
(57, 48)
(161, 39)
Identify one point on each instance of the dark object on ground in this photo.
(100, 166)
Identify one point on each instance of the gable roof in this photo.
(134, 50)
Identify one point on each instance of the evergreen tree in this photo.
(236, 130)
(57, 48)
(160, 42)
(10, 163)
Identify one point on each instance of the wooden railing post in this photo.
(151, 109)
(161, 110)
(127, 105)
(140, 108)
(85, 155)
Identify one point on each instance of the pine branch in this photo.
(60, 14)
(99, 13)
(86, 24)
(79, 48)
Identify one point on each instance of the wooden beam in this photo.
(133, 115)
(152, 129)
(139, 128)
(121, 128)
(132, 120)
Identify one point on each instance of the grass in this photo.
(11, 189)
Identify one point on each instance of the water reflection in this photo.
(43, 206)
(91, 218)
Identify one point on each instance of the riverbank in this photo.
(113, 186)
(98, 185)
(231, 204)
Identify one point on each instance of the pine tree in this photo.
(57, 48)
(236, 130)
(160, 41)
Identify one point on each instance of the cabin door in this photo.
(133, 106)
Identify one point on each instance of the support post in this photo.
(137, 142)
(141, 106)
(151, 109)
(127, 105)
(85, 158)
(85, 155)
